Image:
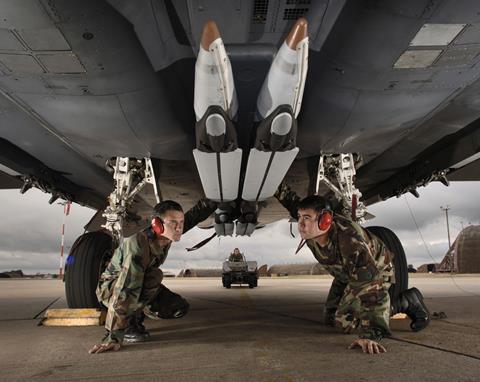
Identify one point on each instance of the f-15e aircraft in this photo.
(117, 104)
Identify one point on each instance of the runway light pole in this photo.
(446, 208)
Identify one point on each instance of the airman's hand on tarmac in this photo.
(368, 346)
(100, 348)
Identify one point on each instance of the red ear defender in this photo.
(325, 220)
(157, 226)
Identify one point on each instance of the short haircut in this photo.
(167, 205)
(315, 202)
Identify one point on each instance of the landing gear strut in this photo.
(127, 172)
(337, 172)
(92, 251)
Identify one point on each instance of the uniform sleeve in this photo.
(125, 298)
(288, 199)
(366, 283)
(335, 294)
(198, 213)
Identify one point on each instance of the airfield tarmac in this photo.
(270, 333)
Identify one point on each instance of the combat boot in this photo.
(167, 305)
(329, 316)
(411, 303)
(136, 331)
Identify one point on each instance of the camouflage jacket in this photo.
(235, 257)
(364, 266)
(355, 258)
(130, 261)
(121, 283)
(353, 255)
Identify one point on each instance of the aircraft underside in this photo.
(392, 82)
(138, 101)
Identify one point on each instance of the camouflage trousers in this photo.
(155, 300)
(151, 287)
(363, 307)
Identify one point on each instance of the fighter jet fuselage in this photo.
(244, 95)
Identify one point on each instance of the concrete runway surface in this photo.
(270, 333)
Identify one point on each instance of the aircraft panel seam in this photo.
(44, 124)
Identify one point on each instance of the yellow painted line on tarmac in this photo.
(245, 299)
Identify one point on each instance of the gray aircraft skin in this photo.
(84, 81)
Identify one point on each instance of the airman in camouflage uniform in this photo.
(362, 267)
(132, 281)
(235, 255)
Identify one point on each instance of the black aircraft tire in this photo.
(400, 261)
(251, 281)
(227, 281)
(86, 261)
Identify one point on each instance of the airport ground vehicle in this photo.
(240, 272)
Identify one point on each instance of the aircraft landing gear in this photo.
(130, 175)
(337, 172)
(87, 259)
(92, 251)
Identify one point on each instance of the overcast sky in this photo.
(30, 231)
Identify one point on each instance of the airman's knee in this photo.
(347, 322)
